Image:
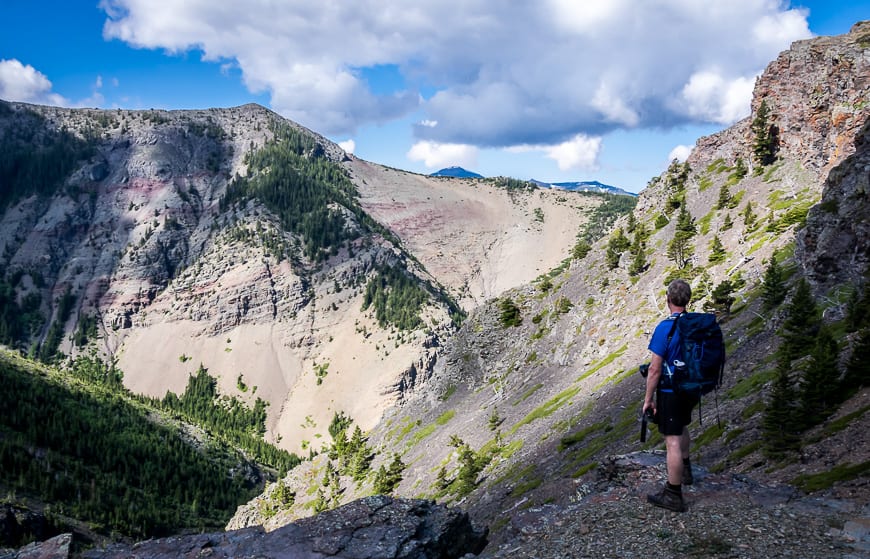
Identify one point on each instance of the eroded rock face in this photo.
(834, 247)
(816, 92)
(372, 528)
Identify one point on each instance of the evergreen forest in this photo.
(78, 440)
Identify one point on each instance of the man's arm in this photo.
(652, 382)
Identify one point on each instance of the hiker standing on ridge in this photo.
(672, 410)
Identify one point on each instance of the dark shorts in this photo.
(673, 412)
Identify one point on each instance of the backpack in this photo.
(703, 350)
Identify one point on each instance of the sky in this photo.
(553, 90)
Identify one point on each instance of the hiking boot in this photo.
(667, 499)
(688, 478)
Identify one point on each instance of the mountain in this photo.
(238, 240)
(431, 341)
(456, 172)
(584, 186)
(534, 399)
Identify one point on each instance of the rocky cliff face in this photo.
(539, 405)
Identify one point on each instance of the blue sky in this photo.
(554, 90)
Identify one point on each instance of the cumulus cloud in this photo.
(536, 73)
(437, 156)
(26, 84)
(680, 153)
(710, 96)
(347, 145)
(579, 153)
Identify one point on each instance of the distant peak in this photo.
(584, 186)
(456, 172)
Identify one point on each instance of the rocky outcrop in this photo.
(834, 247)
(817, 95)
(371, 528)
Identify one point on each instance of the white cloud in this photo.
(437, 156)
(613, 108)
(709, 96)
(24, 83)
(580, 153)
(429, 123)
(522, 73)
(347, 145)
(680, 153)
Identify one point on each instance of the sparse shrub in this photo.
(510, 313)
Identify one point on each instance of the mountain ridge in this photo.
(541, 383)
(538, 387)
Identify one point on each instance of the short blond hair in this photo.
(679, 293)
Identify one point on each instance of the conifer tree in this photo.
(858, 309)
(749, 217)
(820, 383)
(380, 484)
(801, 324)
(638, 250)
(857, 373)
(764, 141)
(722, 297)
(727, 224)
(616, 245)
(580, 250)
(441, 479)
(780, 430)
(724, 197)
(773, 291)
(685, 222)
(717, 251)
(510, 313)
(740, 169)
(638, 263)
(494, 420)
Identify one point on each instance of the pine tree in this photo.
(441, 479)
(510, 313)
(724, 197)
(494, 420)
(580, 250)
(780, 430)
(685, 222)
(801, 324)
(740, 169)
(858, 309)
(680, 249)
(857, 373)
(727, 224)
(632, 223)
(749, 217)
(819, 386)
(638, 250)
(380, 484)
(722, 297)
(764, 142)
(717, 251)
(773, 291)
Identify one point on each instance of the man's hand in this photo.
(652, 382)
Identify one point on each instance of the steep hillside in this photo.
(541, 384)
(78, 452)
(237, 240)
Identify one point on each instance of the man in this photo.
(672, 410)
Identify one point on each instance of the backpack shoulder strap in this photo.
(674, 327)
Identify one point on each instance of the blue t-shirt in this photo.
(659, 345)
